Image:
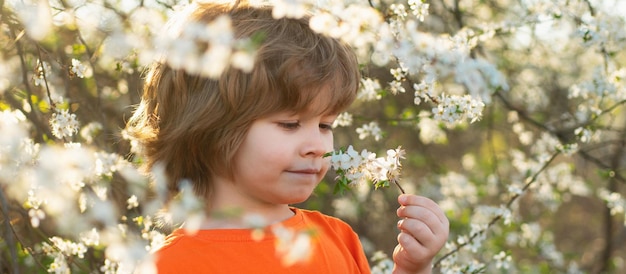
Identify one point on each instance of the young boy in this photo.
(255, 142)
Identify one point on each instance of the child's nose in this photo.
(316, 144)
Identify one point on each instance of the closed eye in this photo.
(289, 125)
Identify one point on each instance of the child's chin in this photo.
(297, 198)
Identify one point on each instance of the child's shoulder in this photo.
(314, 214)
(319, 218)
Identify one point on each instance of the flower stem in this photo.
(398, 185)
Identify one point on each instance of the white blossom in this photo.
(399, 10)
(109, 267)
(43, 72)
(344, 119)
(503, 261)
(132, 202)
(288, 8)
(371, 129)
(91, 237)
(453, 109)
(64, 124)
(292, 246)
(382, 263)
(396, 87)
(90, 131)
(36, 215)
(78, 69)
(419, 9)
(243, 60)
(614, 201)
(106, 163)
(326, 23)
(361, 167)
(370, 90)
(36, 17)
(430, 131)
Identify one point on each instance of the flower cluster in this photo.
(503, 261)
(357, 25)
(354, 168)
(419, 8)
(289, 9)
(369, 90)
(382, 263)
(344, 119)
(614, 201)
(196, 45)
(64, 124)
(62, 250)
(453, 109)
(371, 129)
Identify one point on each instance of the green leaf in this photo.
(78, 49)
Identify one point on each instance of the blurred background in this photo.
(536, 185)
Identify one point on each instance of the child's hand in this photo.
(423, 232)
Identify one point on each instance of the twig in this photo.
(9, 232)
(45, 79)
(395, 181)
(609, 244)
(532, 180)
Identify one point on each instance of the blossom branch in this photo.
(45, 78)
(353, 168)
(31, 115)
(493, 221)
(561, 134)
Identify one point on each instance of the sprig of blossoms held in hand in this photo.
(354, 168)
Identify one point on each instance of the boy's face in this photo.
(282, 158)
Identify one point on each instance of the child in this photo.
(255, 142)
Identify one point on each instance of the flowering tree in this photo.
(509, 113)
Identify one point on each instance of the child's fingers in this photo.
(423, 231)
(430, 237)
(415, 227)
(412, 206)
(414, 215)
(424, 220)
(419, 213)
(411, 248)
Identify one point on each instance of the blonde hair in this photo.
(194, 125)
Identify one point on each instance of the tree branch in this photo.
(514, 198)
(9, 233)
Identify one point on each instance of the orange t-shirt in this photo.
(335, 249)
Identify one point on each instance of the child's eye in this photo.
(289, 125)
(326, 126)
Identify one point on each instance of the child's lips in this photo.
(306, 171)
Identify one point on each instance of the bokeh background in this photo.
(536, 185)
